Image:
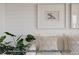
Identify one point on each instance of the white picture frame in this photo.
(74, 16)
(55, 19)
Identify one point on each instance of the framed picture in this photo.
(50, 16)
(75, 16)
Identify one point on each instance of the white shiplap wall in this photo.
(21, 19)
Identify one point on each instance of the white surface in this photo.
(21, 19)
(2, 18)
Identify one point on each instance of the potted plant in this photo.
(20, 48)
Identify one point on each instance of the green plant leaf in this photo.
(10, 34)
(29, 38)
(2, 38)
(2, 48)
(20, 42)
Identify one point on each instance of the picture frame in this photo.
(51, 16)
(74, 16)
